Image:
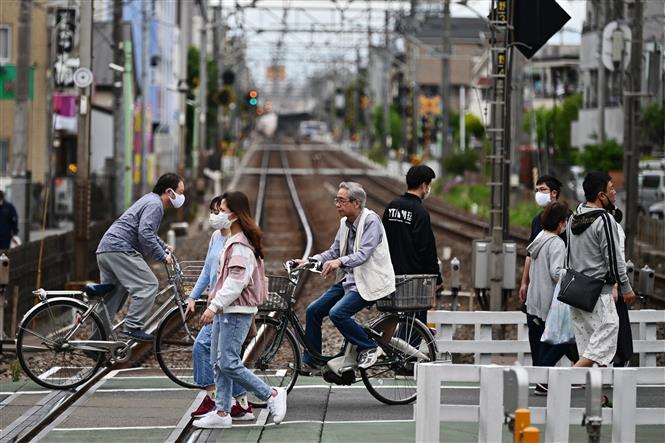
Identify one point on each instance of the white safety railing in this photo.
(643, 323)
(557, 415)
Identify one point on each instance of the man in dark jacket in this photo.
(409, 230)
(8, 222)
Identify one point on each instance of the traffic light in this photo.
(253, 98)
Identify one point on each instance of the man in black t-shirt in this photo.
(409, 230)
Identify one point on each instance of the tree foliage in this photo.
(652, 125)
(606, 156)
(553, 125)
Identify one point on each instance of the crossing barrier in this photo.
(557, 416)
(643, 323)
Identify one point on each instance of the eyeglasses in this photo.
(342, 201)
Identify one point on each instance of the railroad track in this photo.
(273, 214)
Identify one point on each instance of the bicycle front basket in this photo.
(412, 293)
(280, 291)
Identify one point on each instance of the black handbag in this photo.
(579, 290)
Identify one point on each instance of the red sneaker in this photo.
(206, 406)
(238, 413)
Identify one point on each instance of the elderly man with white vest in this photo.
(361, 257)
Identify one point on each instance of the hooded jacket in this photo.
(547, 253)
(590, 250)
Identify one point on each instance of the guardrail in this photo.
(557, 416)
(643, 322)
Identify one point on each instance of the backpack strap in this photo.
(612, 253)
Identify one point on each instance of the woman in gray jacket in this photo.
(547, 253)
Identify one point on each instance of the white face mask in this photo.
(224, 221)
(427, 193)
(215, 221)
(178, 201)
(542, 199)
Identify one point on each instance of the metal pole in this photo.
(445, 83)
(185, 42)
(218, 45)
(601, 74)
(462, 115)
(386, 87)
(20, 177)
(145, 86)
(82, 183)
(118, 111)
(128, 105)
(631, 110)
(413, 91)
(203, 88)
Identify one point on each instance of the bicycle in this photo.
(275, 353)
(62, 342)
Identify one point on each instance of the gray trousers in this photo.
(132, 277)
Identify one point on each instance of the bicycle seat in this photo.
(98, 289)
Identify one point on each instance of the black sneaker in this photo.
(540, 390)
(138, 334)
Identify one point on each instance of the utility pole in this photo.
(601, 72)
(218, 50)
(203, 88)
(445, 83)
(20, 175)
(185, 42)
(499, 50)
(145, 86)
(82, 182)
(386, 87)
(631, 117)
(412, 78)
(118, 111)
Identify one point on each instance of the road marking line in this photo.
(121, 428)
(186, 419)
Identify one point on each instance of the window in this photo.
(5, 44)
(4, 156)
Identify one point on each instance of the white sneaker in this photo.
(277, 405)
(213, 421)
(368, 357)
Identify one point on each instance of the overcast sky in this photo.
(306, 53)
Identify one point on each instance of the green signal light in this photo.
(253, 101)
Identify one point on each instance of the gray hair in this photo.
(356, 192)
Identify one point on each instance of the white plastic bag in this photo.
(15, 241)
(558, 325)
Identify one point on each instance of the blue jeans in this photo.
(339, 307)
(203, 362)
(231, 331)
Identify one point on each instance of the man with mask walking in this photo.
(121, 250)
(548, 189)
(409, 230)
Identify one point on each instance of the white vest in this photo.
(375, 278)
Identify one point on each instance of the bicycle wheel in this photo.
(406, 341)
(273, 355)
(45, 344)
(174, 342)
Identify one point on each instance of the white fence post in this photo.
(428, 402)
(625, 401)
(491, 404)
(558, 405)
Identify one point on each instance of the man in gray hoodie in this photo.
(594, 251)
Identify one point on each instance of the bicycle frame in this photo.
(116, 347)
